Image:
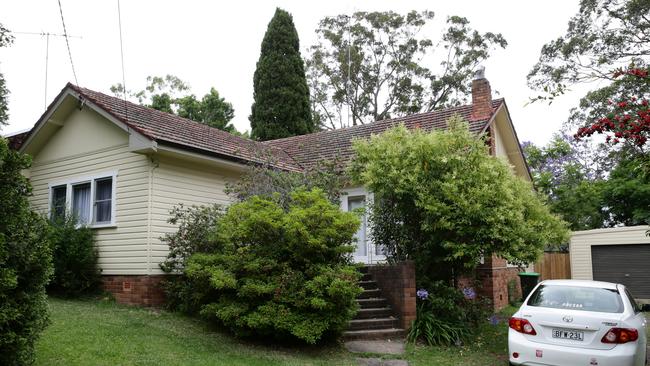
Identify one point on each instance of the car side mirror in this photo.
(645, 307)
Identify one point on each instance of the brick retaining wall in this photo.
(397, 283)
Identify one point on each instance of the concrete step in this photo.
(369, 313)
(388, 333)
(368, 285)
(363, 269)
(374, 323)
(366, 277)
(377, 302)
(369, 294)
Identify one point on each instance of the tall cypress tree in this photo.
(281, 106)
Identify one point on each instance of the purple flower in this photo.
(422, 294)
(469, 293)
(494, 319)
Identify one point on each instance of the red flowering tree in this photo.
(628, 119)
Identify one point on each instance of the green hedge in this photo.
(25, 263)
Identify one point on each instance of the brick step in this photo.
(376, 323)
(369, 313)
(369, 294)
(366, 277)
(368, 285)
(385, 334)
(377, 302)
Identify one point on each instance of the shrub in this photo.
(75, 258)
(25, 263)
(446, 315)
(280, 272)
(195, 224)
(444, 202)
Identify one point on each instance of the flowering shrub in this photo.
(446, 315)
(628, 119)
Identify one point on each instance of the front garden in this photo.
(100, 332)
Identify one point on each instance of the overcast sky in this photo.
(209, 43)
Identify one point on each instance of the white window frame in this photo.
(81, 180)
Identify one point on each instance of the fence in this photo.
(554, 266)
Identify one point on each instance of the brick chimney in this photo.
(481, 96)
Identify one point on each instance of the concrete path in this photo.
(377, 347)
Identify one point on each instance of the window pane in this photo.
(104, 189)
(577, 298)
(103, 200)
(81, 202)
(360, 237)
(58, 202)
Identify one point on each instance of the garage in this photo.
(620, 255)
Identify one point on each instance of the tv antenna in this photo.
(47, 36)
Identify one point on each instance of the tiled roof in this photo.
(292, 153)
(169, 128)
(307, 150)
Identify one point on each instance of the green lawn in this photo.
(96, 332)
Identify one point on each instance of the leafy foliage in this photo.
(193, 235)
(75, 258)
(443, 202)
(25, 263)
(573, 190)
(6, 39)
(446, 316)
(280, 272)
(605, 35)
(627, 193)
(281, 107)
(627, 118)
(608, 42)
(374, 64)
(172, 95)
(265, 181)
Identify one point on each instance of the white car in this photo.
(576, 323)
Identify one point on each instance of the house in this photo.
(121, 167)
(619, 254)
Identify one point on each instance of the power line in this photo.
(65, 34)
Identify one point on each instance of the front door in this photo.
(365, 251)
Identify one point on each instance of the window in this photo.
(81, 203)
(635, 306)
(577, 298)
(103, 200)
(90, 200)
(58, 204)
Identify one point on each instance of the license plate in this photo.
(573, 335)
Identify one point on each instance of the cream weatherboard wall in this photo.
(182, 181)
(582, 241)
(146, 188)
(88, 144)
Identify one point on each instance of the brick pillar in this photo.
(397, 284)
(494, 276)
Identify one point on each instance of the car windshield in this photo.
(577, 298)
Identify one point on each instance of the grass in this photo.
(489, 348)
(93, 332)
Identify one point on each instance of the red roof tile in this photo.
(307, 150)
(292, 153)
(169, 128)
